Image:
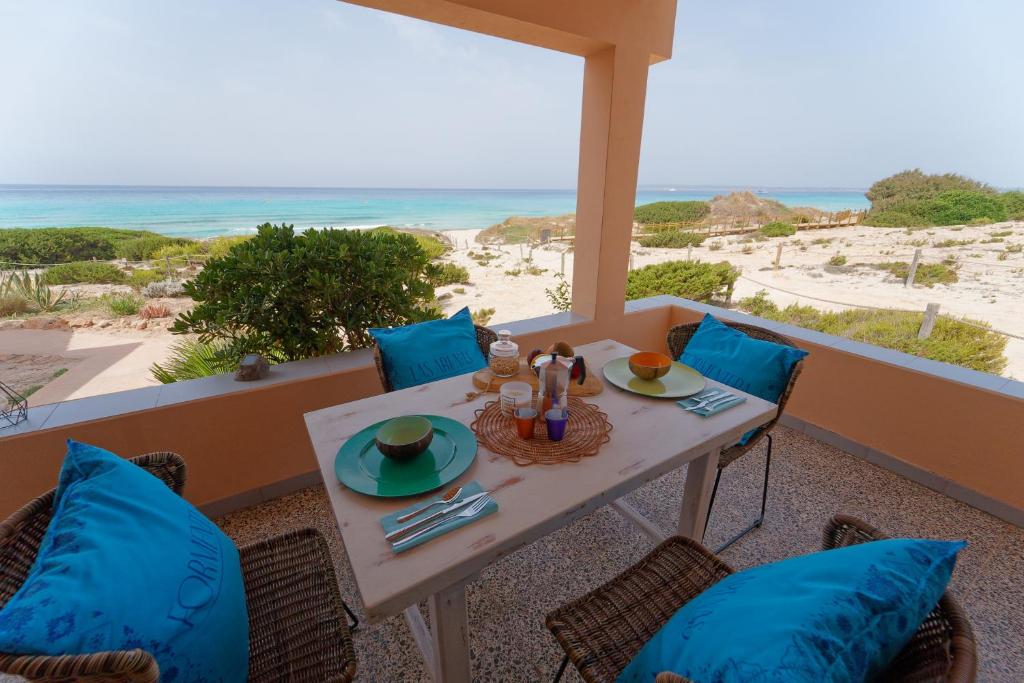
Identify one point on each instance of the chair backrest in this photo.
(484, 338)
(680, 335)
(943, 647)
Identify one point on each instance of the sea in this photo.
(213, 211)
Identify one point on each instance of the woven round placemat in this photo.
(588, 429)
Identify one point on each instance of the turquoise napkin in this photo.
(389, 524)
(715, 409)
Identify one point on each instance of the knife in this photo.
(402, 531)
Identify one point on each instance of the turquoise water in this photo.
(210, 211)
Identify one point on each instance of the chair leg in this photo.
(711, 504)
(764, 500)
(561, 669)
(351, 615)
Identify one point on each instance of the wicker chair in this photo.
(296, 628)
(484, 339)
(678, 337)
(602, 631)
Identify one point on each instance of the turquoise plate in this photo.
(363, 468)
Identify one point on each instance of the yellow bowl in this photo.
(403, 438)
(649, 365)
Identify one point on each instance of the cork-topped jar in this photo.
(503, 359)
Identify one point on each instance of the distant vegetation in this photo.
(915, 199)
(778, 229)
(693, 280)
(926, 275)
(673, 239)
(671, 212)
(89, 272)
(61, 245)
(961, 342)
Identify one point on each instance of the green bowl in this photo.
(403, 438)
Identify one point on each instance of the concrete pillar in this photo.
(614, 90)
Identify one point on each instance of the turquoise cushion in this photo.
(426, 352)
(126, 563)
(838, 615)
(758, 367)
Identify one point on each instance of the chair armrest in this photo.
(123, 666)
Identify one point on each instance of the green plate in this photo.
(363, 468)
(680, 381)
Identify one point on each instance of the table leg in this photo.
(700, 476)
(450, 629)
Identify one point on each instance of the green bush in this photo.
(441, 274)
(671, 212)
(837, 260)
(927, 274)
(143, 248)
(960, 342)
(291, 296)
(560, 295)
(62, 245)
(956, 207)
(178, 252)
(139, 277)
(91, 272)
(221, 246)
(1013, 202)
(914, 199)
(778, 229)
(192, 359)
(687, 279)
(673, 239)
(123, 304)
(433, 247)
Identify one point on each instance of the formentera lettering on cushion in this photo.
(429, 351)
(837, 615)
(758, 367)
(126, 563)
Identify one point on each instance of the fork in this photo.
(715, 402)
(705, 399)
(471, 511)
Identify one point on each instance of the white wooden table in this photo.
(650, 437)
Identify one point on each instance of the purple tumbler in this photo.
(556, 419)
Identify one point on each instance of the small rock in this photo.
(104, 323)
(252, 367)
(141, 325)
(14, 324)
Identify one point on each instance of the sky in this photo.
(792, 93)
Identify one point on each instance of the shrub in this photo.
(688, 279)
(441, 274)
(1013, 202)
(123, 304)
(91, 272)
(151, 311)
(561, 295)
(62, 245)
(673, 240)
(32, 288)
(927, 274)
(837, 260)
(948, 244)
(482, 316)
(961, 342)
(163, 288)
(715, 246)
(221, 246)
(671, 212)
(12, 303)
(140, 277)
(192, 359)
(143, 248)
(291, 296)
(955, 207)
(177, 252)
(778, 229)
(432, 246)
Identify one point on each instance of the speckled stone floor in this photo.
(810, 481)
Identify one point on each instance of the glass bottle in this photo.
(503, 359)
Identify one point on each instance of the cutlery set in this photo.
(455, 508)
(712, 400)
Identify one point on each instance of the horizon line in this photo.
(662, 187)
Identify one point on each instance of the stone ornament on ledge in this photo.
(251, 368)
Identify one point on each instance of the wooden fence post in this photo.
(631, 260)
(689, 252)
(931, 312)
(913, 268)
(563, 263)
(778, 255)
